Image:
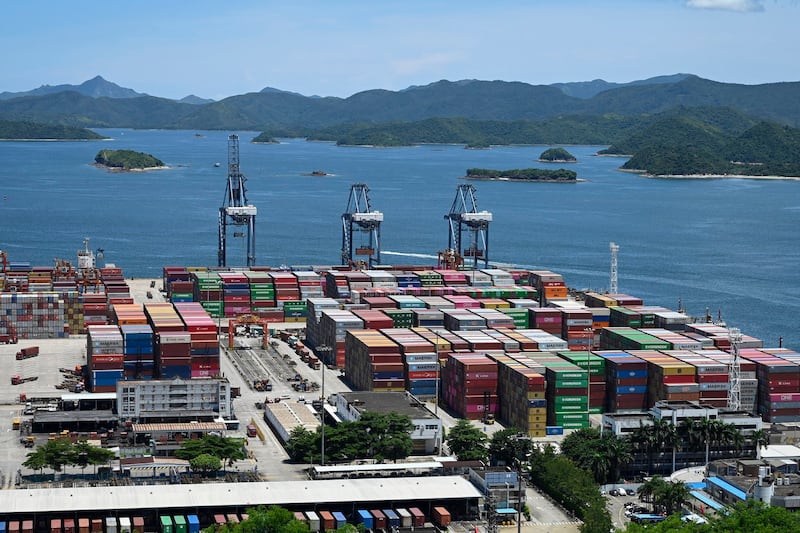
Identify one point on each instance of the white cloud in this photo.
(742, 6)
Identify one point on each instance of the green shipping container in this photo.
(581, 401)
(180, 524)
(166, 525)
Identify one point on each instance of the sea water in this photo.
(729, 245)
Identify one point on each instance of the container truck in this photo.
(138, 524)
(28, 352)
(124, 524)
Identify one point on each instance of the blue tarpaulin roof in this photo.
(506, 510)
(696, 485)
(727, 487)
(704, 498)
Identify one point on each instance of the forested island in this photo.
(264, 138)
(32, 131)
(682, 147)
(127, 160)
(523, 174)
(557, 155)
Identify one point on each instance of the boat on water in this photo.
(216, 165)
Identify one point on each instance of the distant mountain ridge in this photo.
(100, 103)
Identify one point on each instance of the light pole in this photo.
(324, 349)
(526, 453)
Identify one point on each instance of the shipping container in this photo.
(417, 517)
(365, 517)
(405, 517)
(166, 524)
(180, 524)
(440, 517)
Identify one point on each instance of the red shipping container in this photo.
(712, 378)
(678, 378)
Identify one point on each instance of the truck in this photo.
(251, 430)
(25, 353)
(313, 362)
(8, 338)
(19, 380)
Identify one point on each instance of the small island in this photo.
(523, 174)
(557, 155)
(264, 138)
(127, 160)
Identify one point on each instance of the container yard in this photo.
(512, 345)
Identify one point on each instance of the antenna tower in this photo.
(613, 286)
(735, 371)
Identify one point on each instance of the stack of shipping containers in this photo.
(626, 382)
(550, 286)
(779, 386)
(373, 361)
(596, 367)
(577, 328)
(208, 291)
(521, 394)
(315, 306)
(262, 293)
(173, 344)
(105, 357)
(567, 389)
(333, 325)
(420, 365)
(668, 378)
(235, 294)
(204, 351)
(137, 342)
(469, 385)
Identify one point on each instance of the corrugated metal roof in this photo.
(237, 494)
(194, 426)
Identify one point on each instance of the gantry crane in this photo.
(359, 217)
(235, 210)
(464, 215)
(735, 370)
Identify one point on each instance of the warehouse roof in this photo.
(187, 426)
(237, 494)
(385, 402)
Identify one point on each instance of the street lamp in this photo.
(324, 349)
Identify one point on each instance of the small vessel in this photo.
(319, 173)
(216, 165)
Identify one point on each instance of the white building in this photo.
(172, 400)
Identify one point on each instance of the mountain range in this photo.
(98, 103)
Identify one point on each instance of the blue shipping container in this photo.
(340, 519)
(365, 517)
(554, 430)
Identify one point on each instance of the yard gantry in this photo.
(360, 218)
(235, 209)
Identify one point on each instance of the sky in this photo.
(214, 49)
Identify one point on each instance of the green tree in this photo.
(226, 449)
(666, 496)
(304, 445)
(205, 463)
(508, 446)
(84, 454)
(35, 460)
(467, 442)
(57, 454)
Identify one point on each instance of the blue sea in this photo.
(727, 245)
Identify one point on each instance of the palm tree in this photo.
(599, 465)
(664, 435)
(692, 430)
(759, 438)
(618, 450)
(673, 496)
